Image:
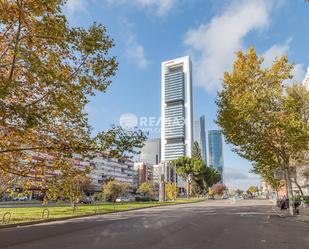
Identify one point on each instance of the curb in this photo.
(18, 225)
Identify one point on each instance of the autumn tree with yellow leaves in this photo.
(262, 117)
(48, 70)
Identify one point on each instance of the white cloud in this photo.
(74, 6)
(160, 7)
(299, 73)
(136, 52)
(235, 177)
(278, 50)
(213, 45)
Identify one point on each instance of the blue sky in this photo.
(147, 32)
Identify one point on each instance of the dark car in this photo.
(86, 200)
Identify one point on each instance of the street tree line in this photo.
(265, 118)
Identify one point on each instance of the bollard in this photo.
(6, 218)
(45, 213)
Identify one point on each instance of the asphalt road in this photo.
(209, 225)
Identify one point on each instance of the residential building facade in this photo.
(176, 109)
(143, 173)
(105, 168)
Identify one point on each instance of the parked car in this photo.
(86, 200)
(211, 197)
(122, 199)
(20, 198)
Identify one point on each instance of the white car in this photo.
(22, 198)
(122, 199)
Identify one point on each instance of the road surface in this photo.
(210, 225)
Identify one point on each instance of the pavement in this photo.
(220, 224)
(303, 215)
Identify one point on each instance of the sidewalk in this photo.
(303, 214)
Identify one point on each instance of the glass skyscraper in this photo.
(176, 109)
(200, 136)
(215, 150)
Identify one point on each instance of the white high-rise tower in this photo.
(176, 109)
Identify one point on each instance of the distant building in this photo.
(151, 152)
(103, 168)
(200, 136)
(176, 109)
(106, 168)
(143, 173)
(306, 80)
(163, 172)
(215, 145)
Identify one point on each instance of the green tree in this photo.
(197, 175)
(48, 70)
(146, 189)
(114, 189)
(211, 176)
(196, 151)
(267, 172)
(189, 169)
(259, 115)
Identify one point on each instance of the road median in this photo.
(23, 216)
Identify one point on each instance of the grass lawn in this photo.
(27, 214)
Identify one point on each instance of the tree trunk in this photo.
(290, 192)
(188, 188)
(299, 187)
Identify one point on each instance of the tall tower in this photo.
(215, 150)
(176, 109)
(200, 136)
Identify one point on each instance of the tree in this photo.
(252, 190)
(218, 189)
(196, 151)
(70, 185)
(197, 175)
(146, 189)
(211, 176)
(211, 192)
(259, 114)
(171, 191)
(189, 169)
(268, 174)
(114, 189)
(7, 181)
(239, 191)
(48, 70)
